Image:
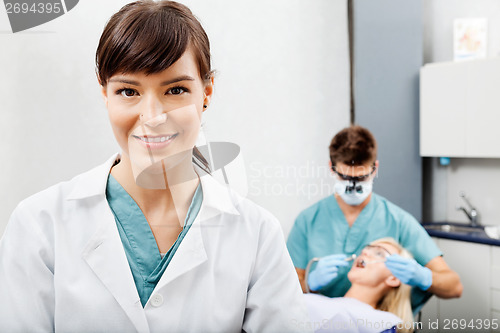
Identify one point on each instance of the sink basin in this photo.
(492, 231)
(486, 234)
(454, 228)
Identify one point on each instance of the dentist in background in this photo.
(148, 241)
(352, 217)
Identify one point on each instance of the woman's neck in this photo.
(366, 294)
(178, 185)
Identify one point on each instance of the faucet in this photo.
(472, 214)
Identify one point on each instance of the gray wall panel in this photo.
(388, 56)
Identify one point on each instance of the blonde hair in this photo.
(397, 300)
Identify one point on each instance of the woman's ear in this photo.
(392, 281)
(208, 92)
(104, 93)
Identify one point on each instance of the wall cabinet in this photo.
(460, 109)
(479, 268)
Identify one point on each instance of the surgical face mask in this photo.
(353, 193)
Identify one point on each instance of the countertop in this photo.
(478, 235)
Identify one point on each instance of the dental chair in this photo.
(418, 300)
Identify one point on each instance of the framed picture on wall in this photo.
(470, 38)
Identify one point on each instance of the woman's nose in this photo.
(153, 112)
(365, 253)
(156, 121)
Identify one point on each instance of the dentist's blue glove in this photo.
(325, 271)
(409, 271)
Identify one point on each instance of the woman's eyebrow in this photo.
(135, 83)
(177, 79)
(164, 83)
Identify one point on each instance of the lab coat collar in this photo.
(105, 256)
(93, 183)
(216, 196)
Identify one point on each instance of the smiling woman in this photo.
(135, 44)
(148, 241)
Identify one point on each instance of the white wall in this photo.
(281, 94)
(479, 178)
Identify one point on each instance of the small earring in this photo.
(205, 106)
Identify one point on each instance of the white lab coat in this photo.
(63, 268)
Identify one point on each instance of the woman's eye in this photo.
(126, 92)
(176, 91)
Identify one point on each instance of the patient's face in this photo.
(374, 272)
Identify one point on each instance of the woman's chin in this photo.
(351, 275)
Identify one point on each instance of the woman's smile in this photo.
(155, 142)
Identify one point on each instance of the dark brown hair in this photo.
(354, 145)
(148, 36)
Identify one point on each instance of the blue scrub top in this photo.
(143, 255)
(322, 230)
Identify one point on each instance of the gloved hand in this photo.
(325, 271)
(409, 271)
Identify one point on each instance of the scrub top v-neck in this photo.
(144, 258)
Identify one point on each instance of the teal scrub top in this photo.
(322, 230)
(146, 262)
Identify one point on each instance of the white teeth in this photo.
(157, 139)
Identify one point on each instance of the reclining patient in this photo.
(376, 302)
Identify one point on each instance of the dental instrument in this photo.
(363, 262)
(351, 257)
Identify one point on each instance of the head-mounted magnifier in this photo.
(353, 180)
